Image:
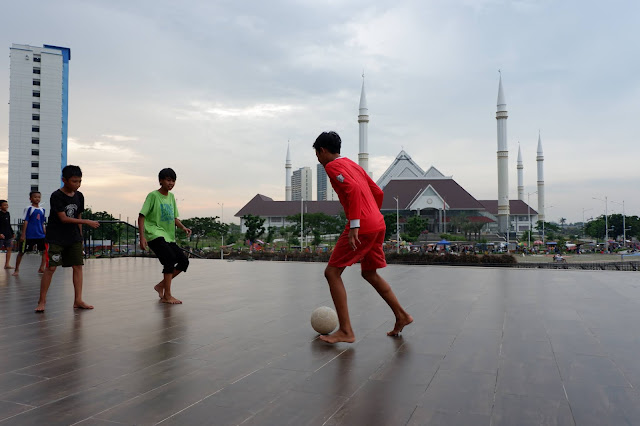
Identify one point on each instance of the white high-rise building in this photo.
(325, 191)
(287, 168)
(301, 184)
(38, 113)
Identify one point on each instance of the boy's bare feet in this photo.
(400, 324)
(82, 305)
(339, 336)
(8, 267)
(40, 308)
(40, 271)
(171, 300)
(160, 289)
(16, 273)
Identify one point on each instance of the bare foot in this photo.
(82, 305)
(40, 271)
(8, 267)
(400, 324)
(171, 300)
(40, 308)
(160, 289)
(16, 273)
(339, 336)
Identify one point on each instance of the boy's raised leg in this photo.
(384, 290)
(45, 282)
(167, 297)
(18, 260)
(78, 303)
(339, 296)
(43, 264)
(160, 286)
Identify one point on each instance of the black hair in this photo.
(71, 171)
(167, 173)
(328, 140)
(3, 201)
(33, 192)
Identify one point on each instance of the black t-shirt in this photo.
(64, 233)
(5, 225)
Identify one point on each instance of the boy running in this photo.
(63, 239)
(157, 223)
(6, 232)
(33, 231)
(362, 238)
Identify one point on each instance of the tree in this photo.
(203, 227)
(254, 227)
(458, 223)
(390, 220)
(317, 224)
(414, 226)
(233, 233)
(595, 228)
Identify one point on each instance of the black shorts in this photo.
(170, 255)
(31, 245)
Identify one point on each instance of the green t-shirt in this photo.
(160, 212)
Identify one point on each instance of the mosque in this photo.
(411, 191)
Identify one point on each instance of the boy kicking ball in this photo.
(362, 238)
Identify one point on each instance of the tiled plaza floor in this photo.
(488, 347)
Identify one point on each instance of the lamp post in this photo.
(397, 224)
(624, 227)
(221, 234)
(529, 214)
(584, 210)
(606, 222)
(301, 224)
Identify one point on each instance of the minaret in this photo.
(503, 162)
(287, 167)
(363, 122)
(540, 160)
(520, 175)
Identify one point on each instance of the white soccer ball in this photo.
(324, 320)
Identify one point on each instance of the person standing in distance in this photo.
(362, 238)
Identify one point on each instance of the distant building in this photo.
(275, 212)
(324, 191)
(38, 113)
(301, 184)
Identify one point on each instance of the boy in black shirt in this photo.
(6, 232)
(63, 240)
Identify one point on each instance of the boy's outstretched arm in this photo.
(143, 240)
(378, 195)
(66, 219)
(181, 226)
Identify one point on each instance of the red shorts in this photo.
(369, 252)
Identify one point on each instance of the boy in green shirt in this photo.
(157, 223)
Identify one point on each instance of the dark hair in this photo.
(328, 140)
(167, 173)
(33, 192)
(71, 171)
(3, 201)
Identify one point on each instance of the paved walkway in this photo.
(488, 347)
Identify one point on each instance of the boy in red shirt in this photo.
(362, 238)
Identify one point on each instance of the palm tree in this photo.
(563, 221)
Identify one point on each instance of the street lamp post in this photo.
(397, 224)
(301, 224)
(221, 234)
(606, 222)
(529, 214)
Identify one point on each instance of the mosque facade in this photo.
(410, 190)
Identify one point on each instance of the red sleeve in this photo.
(344, 179)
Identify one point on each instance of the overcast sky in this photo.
(214, 89)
